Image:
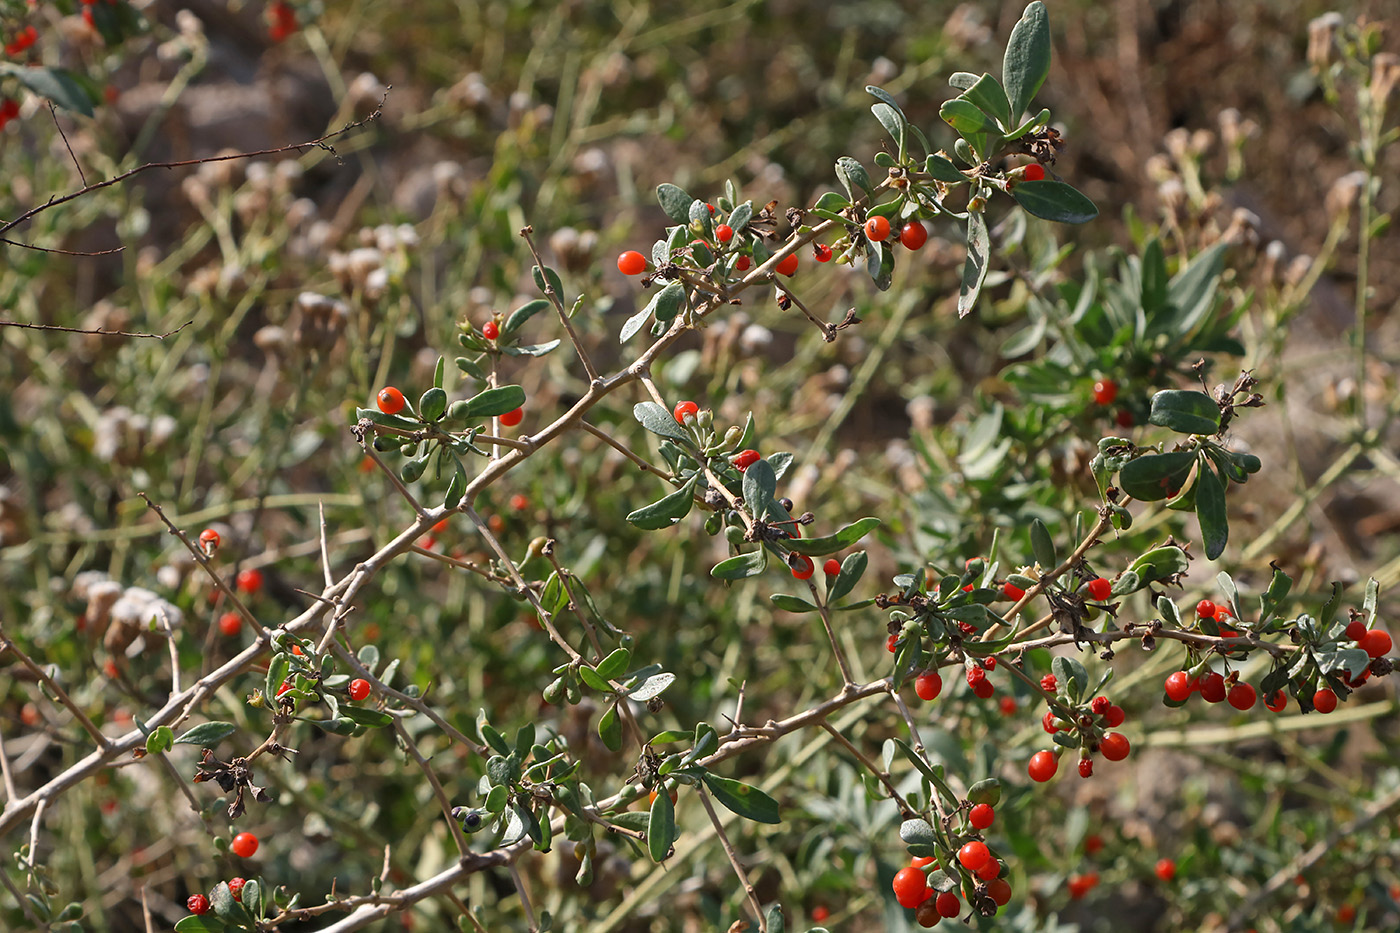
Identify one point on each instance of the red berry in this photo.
(1047, 722)
(981, 816)
(948, 904)
(685, 410)
(1222, 612)
(490, 331)
(745, 459)
(1105, 391)
(877, 228)
(1213, 688)
(1356, 630)
(1114, 717)
(244, 845)
(832, 567)
(1012, 592)
(1166, 869)
(1099, 589)
(511, 418)
(209, 540)
(821, 252)
(1093, 844)
(789, 264)
(1043, 766)
(999, 890)
(1033, 172)
(1205, 609)
(1346, 914)
(235, 887)
(198, 904)
(724, 233)
(919, 861)
(913, 235)
(1276, 701)
(391, 400)
(928, 685)
(710, 206)
(631, 263)
(1080, 885)
(891, 644)
(927, 915)
(801, 566)
(743, 263)
(1086, 767)
(1241, 697)
(1124, 418)
(989, 662)
(1048, 683)
(1115, 746)
(910, 885)
(1100, 706)
(359, 689)
(230, 623)
(1376, 643)
(820, 913)
(983, 689)
(1179, 686)
(989, 871)
(1007, 705)
(1325, 700)
(974, 855)
(250, 580)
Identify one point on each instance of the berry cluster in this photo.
(932, 892)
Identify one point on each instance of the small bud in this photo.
(1385, 75)
(1322, 39)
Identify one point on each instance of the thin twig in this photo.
(58, 692)
(463, 846)
(558, 302)
(98, 332)
(623, 449)
(524, 896)
(733, 858)
(825, 612)
(53, 112)
(905, 810)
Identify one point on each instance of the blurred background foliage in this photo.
(310, 279)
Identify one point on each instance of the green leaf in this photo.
(749, 802)
(653, 686)
(1185, 411)
(661, 826)
(548, 277)
(893, 122)
(490, 735)
(1042, 545)
(1054, 200)
(1072, 674)
(456, 487)
(852, 175)
(159, 740)
(615, 663)
(433, 404)
(850, 534)
(55, 84)
(775, 920)
(494, 402)
(590, 677)
(1154, 277)
(987, 95)
(943, 170)
(852, 569)
(659, 421)
(965, 117)
(975, 269)
(1150, 478)
(1158, 564)
(741, 565)
(209, 733)
(674, 201)
(1027, 59)
(363, 715)
(987, 790)
(791, 603)
(205, 923)
(760, 483)
(1210, 511)
(610, 729)
(666, 511)
(1192, 290)
(520, 315)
